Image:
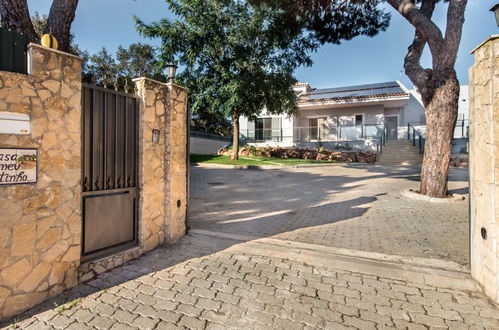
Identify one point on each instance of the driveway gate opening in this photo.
(109, 171)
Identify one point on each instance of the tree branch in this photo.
(453, 31)
(61, 16)
(412, 66)
(15, 16)
(421, 22)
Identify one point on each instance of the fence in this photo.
(13, 55)
(311, 134)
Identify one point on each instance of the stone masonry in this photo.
(163, 165)
(484, 166)
(40, 224)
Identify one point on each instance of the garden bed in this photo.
(321, 154)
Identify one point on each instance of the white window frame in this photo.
(363, 114)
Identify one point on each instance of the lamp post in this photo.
(495, 9)
(172, 70)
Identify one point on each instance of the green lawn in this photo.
(252, 160)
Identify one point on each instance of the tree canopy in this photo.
(330, 21)
(238, 61)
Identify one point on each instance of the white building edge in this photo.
(353, 115)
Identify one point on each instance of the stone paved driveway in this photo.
(353, 207)
(205, 283)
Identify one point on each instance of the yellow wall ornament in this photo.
(49, 41)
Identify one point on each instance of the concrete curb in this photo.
(424, 271)
(241, 167)
(273, 167)
(410, 193)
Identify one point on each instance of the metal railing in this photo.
(210, 136)
(314, 134)
(416, 134)
(382, 142)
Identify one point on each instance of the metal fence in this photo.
(313, 134)
(460, 131)
(210, 136)
(13, 54)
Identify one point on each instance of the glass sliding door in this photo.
(318, 128)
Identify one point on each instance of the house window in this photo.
(359, 120)
(267, 129)
(318, 128)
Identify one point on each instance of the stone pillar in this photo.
(484, 166)
(177, 162)
(40, 223)
(162, 163)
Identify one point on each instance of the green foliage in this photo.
(330, 21)
(237, 62)
(117, 71)
(39, 23)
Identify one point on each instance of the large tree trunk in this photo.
(235, 136)
(441, 116)
(15, 16)
(61, 16)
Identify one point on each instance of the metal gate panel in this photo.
(109, 171)
(109, 219)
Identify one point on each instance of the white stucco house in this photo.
(355, 115)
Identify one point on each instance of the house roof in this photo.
(367, 91)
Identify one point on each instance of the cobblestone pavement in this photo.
(202, 283)
(349, 207)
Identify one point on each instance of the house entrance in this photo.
(109, 171)
(391, 124)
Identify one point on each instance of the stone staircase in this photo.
(400, 152)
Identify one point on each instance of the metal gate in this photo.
(109, 171)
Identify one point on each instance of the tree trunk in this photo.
(235, 136)
(441, 116)
(15, 16)
(61, 16)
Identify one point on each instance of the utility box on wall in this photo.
(14, 123)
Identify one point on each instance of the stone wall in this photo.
(484, 166)
(40, 224)
(177, 163)
(163, 164)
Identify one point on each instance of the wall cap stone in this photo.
(160, 83)
(491, 37)
(33, 45)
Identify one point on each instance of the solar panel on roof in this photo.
(355, 91)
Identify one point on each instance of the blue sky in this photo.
(362, 60)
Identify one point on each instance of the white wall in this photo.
(464, 104)
(199, 145)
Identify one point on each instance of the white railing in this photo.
(313, 134)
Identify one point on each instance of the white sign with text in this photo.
(18, 166)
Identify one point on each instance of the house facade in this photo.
(353, 115)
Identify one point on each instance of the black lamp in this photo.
(172, 70)
(495, 9)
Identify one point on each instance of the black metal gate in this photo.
(109, 171)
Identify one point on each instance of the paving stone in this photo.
(359, 323)
(145, 323)
(102, 322)
(188, 310)
(191, 322)
(124, 316)
(430, 321)
(365, 302)
(83, 315)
